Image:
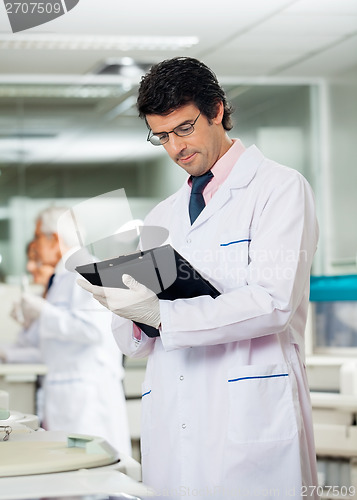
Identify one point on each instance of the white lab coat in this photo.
(25, 349)
(226, 408)
(83, 390)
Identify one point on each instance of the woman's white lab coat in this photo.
(226, 407)
(83, 390)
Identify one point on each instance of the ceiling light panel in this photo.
(61, 91)
(39, 41)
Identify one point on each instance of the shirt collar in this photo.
(223, 167)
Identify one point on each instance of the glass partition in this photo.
(63, 141)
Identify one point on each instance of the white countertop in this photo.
(22, 369)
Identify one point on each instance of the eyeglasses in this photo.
(180, 131)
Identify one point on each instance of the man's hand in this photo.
(32, 306)
(138, 303)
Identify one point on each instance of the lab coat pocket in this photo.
(234, 257)
(145, 418)
(261, 404)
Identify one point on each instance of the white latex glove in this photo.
(139, 303)
(16, 312)
(32, 306)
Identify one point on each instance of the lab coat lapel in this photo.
(219, 199)
(242, 173)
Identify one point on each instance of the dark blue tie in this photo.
(50, 281)
(197, 202)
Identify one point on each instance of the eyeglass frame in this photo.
(173, 131)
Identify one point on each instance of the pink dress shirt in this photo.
(222, 168)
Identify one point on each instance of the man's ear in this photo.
(219, 113)
(55, 240)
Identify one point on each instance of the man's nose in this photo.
(176, 143)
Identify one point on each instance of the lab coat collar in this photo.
(241, 175)
(245, 169)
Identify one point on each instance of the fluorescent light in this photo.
(51, 41)
(62, 91)
(127, 61)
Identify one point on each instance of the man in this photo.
(226, 408)
(83, 390)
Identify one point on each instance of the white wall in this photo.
(342, 185)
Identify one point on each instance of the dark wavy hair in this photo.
(175, 82)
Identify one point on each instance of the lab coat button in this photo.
(184, 426)
(182, 377)
(188, 240)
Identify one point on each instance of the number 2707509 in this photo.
(334, 491)
(33, 7)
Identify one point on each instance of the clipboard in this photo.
(162, 269)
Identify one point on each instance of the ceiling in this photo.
(54, 108)
(236, 37)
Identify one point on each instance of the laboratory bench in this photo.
(333, 388)
(21, 381)
(133, 379)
